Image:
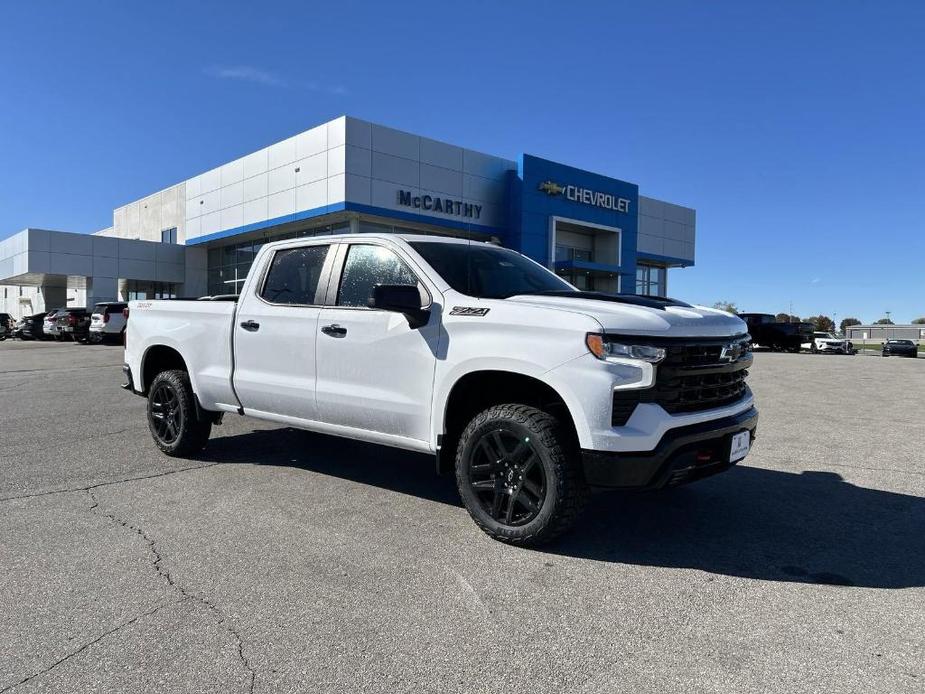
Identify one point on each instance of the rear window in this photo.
(294, 275)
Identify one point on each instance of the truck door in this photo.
(375, 372)
(275, 331)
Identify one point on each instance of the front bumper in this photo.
(683, 455)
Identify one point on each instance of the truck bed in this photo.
(200, 330)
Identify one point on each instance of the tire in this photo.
(518, 475)
(173, 417)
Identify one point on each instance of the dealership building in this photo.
(200, 236)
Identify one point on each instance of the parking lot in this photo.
(287, 561)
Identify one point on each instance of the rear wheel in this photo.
(518, 474)
(178, 427)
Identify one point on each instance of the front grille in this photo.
(691, 378)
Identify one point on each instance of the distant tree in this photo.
(919, 321)
(884, 321)
(786, 318)
(846, 322)
(728, 306)
(822, 324)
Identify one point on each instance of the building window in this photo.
(564, 252)
(169, 235)
(651, 280)
(141, 290)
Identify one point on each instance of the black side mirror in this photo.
(400, 298)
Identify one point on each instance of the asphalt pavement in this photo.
(284, 561)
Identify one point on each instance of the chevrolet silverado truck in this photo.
(530, 391)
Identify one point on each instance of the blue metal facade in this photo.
(535, 198)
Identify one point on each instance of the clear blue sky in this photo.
(796, 129)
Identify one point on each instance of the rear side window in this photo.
(367, 266)
(294, 275)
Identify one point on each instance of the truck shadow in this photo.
(808, 527)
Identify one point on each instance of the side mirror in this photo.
(400, 298)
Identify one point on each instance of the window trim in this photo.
(337, 274)
(323, 278)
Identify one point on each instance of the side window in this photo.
(367, 266)
(294, 274)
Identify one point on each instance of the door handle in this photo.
(334, 330)
(250, 325)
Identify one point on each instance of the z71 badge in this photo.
(469, 311)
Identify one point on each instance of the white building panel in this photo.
(256, 187)
(336, 132)
(387, 167)
(358, 189)
(281, 154)
(311, 142)
(232, 172)
(441, 154)
(232, 194)
(256, 163)
(281, 179)
(210, 181)
(443, 180)
(313, 168)
(337, 157)
(358, 161)
(233, 217)
(356, 132)
(395, 143)
(337, 186)
(211, 223)
(255, 211)
(312, 195)
(281, 204)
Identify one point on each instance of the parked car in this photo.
(6, 326)
(73, 324)
(529, 389)
(900, 348)
(828, 343)
(50, 324)
(108, 321)
(31, 327)
(778, 336)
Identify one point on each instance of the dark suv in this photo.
(73, 323)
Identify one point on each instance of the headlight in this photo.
(605, 349)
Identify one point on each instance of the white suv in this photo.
(108, 320)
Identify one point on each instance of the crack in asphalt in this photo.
(107, 484)
(164, 573)
(90, 643)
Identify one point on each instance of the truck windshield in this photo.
(488, 271)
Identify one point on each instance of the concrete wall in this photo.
(666, 229)
(145, 219)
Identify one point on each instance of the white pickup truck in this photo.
(531, 391)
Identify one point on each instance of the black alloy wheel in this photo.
(179, 426)
(165, 413)
(507, 478)
(519, 475)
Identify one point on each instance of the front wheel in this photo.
(178, 427)
(518, 474)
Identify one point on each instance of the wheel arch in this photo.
(478, 389)
(158, 358)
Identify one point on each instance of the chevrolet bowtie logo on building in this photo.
(551, 188)
(587, 196)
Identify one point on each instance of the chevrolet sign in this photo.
(586, 196)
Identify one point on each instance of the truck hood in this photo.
(670, 320)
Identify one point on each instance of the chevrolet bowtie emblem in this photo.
(551, 188)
